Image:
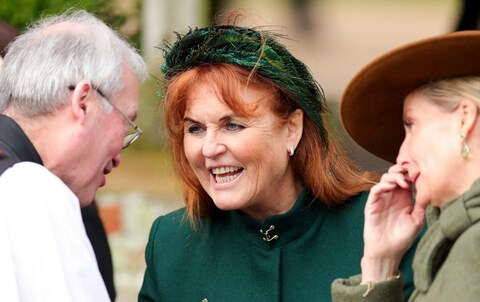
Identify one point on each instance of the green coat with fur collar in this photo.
(228, 259)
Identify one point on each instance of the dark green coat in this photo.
(228, 259)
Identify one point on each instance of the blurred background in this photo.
(335, 38)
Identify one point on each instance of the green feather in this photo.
(243, 47)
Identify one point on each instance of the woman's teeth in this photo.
(226, 174)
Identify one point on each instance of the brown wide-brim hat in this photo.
(372, 105)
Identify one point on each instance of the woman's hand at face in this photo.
(392, 222)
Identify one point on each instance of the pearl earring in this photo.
(291, 151)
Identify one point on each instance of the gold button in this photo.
(266, 236)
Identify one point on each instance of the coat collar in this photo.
(15, 143)
(446, 224)
(279, 230)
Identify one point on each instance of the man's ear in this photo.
(295, 128)
(468, 112)
(79, 100)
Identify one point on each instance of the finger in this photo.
(386, 192)
(383, 187)
(396, 169)
(377, 194)
(398, 178)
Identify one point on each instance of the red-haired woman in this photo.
(274, 207)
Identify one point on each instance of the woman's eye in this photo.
(234, 126)
(194, 129)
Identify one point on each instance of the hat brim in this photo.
(372, 105)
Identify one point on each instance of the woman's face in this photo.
(241, 162)
(430, 152)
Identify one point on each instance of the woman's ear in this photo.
(295, 128)
(79, 100)
(468, 112)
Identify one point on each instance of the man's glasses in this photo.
(134, 133)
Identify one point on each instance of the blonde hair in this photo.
(448, 93)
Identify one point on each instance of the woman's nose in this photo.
(212, 145)
(402, 157)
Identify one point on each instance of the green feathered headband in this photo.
(243, 47)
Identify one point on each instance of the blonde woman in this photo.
(423, 101)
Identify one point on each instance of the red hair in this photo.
(325, 169)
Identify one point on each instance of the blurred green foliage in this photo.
(20, 13)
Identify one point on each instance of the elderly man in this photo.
(68, 98)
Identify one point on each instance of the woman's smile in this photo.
(226, 174)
